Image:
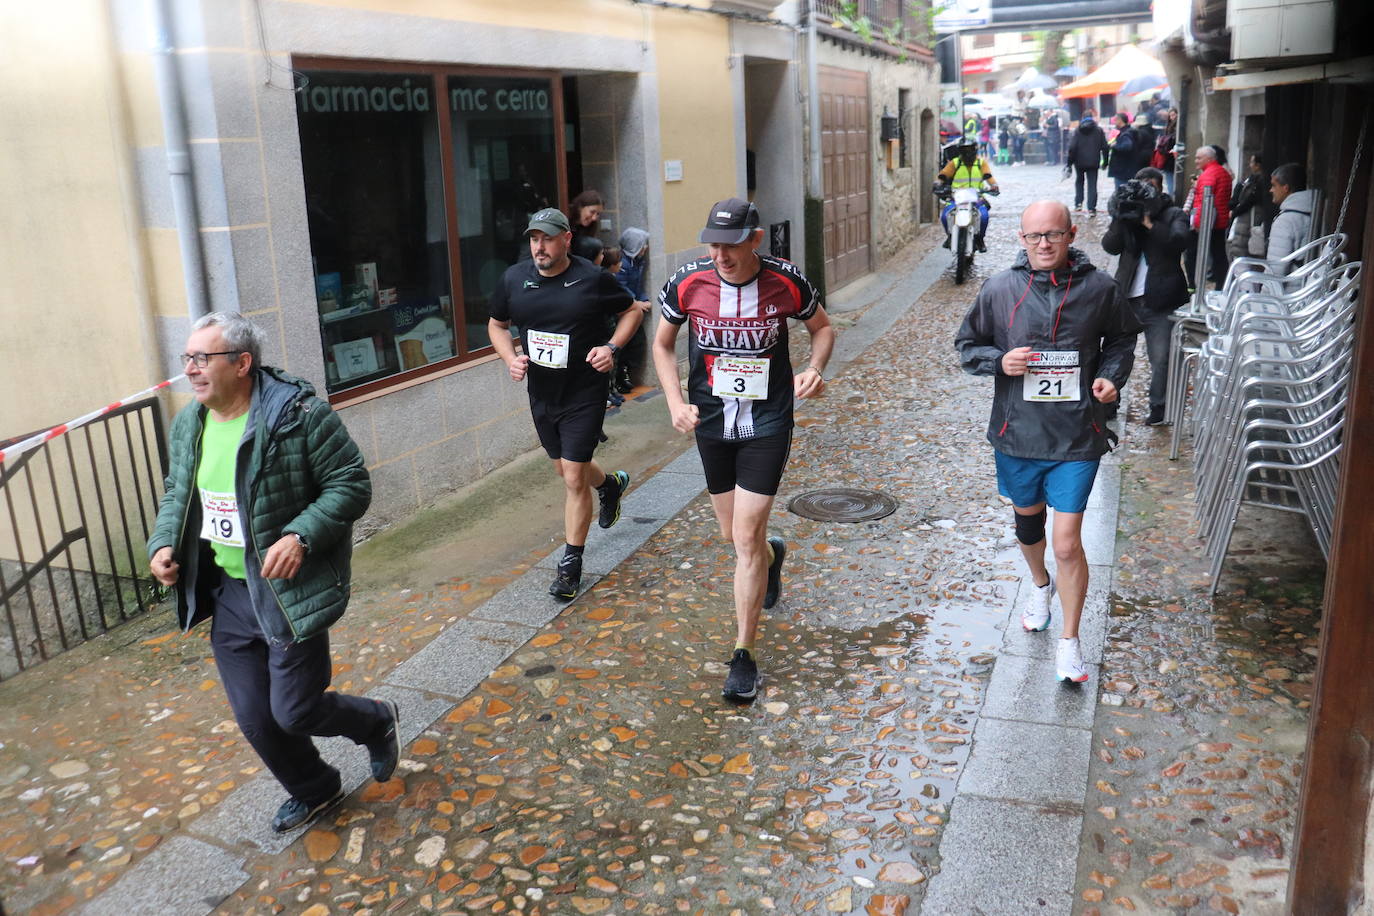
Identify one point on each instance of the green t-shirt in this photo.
(221, 523)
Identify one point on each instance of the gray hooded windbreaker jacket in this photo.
(1076, 308)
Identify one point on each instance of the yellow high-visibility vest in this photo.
(969, 176)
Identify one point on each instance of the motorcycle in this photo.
(963, 225)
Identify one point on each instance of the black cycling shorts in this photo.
(571, 432)
(755, 465)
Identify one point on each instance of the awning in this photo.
(1130, 61)
(1359, 70)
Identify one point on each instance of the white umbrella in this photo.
(1031, 78)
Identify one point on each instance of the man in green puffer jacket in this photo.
(255, 531)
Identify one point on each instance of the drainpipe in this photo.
(813, 204)
(174, 133)
(813, 105)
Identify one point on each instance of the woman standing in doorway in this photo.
(585, 213)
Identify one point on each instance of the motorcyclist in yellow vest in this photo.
(966, 170)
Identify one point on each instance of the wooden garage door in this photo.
(844, 163)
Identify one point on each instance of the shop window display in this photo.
(505, 165)
(378, 225)
(395, 162)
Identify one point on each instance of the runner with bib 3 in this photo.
(741, 390)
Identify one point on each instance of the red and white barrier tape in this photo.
(18, 448)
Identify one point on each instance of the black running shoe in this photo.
(294, 812)
(610, 499)
(742, 683)
(565, 587)
(770, 596)
(385, 752)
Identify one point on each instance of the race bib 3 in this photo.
(740, 377)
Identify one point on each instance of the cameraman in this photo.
(1150, 234)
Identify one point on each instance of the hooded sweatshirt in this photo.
(633, 242)
(1088, 146)
(1075, 313)
(1290, 228)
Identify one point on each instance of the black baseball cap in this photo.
(549, 221)
(731, 221)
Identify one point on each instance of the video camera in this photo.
(1134, 199)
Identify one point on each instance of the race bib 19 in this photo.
(740, 377)
(547, 349)
(1051, 375)
(220, 522)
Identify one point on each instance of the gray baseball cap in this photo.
(549, 221)
(731, 221)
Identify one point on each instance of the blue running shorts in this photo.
(1027, 482)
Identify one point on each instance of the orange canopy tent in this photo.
(1129, 62)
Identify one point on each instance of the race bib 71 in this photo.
(547, 349)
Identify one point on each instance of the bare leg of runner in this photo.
(1071, 563)
(579, 478)
(1034, 553)
(743, 518)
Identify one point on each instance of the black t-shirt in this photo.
(561, 320)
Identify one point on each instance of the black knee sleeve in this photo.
(1030, 529)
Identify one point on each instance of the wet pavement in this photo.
(908, 752)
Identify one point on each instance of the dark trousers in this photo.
(1157, 330)
(1079, 177)
(1217, 261)
(279, 699)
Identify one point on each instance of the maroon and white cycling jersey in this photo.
(740, 370)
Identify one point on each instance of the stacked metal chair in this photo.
(1272, 386)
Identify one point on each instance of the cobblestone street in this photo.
(909, 751)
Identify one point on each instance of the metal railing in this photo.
(75, 513)
(902, 20)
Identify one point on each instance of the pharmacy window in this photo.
(418, 182)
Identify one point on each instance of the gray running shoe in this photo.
(294, 812)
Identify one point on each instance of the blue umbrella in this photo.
(1070, 71)
(1142, 84)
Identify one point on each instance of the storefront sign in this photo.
(371, 99)
(502, 100)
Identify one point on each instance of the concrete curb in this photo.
(1011, 845)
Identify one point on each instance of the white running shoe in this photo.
(1068, 661)
(1036, 616)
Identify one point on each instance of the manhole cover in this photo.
(841, 504)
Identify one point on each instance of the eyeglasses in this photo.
(203, 359)
(1054, 236)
